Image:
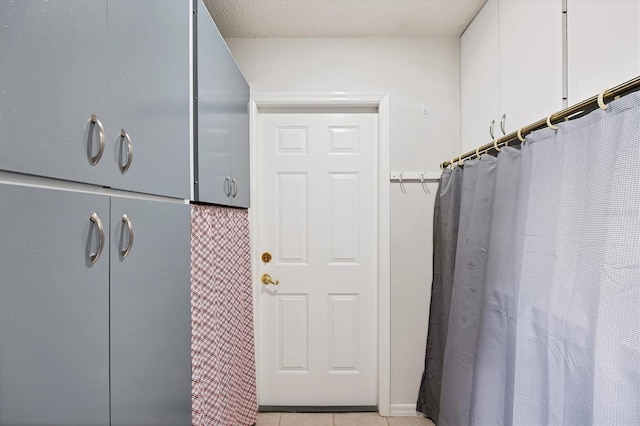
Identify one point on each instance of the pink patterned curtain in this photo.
(222, 346)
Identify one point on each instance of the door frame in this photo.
(292, 101)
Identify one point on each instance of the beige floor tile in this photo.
(409, 421)
(358, 419)
(268, 419)
(303, 419)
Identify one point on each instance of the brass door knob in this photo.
(266, 279)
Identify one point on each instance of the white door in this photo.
(317, 218)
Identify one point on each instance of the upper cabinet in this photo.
(511, 68)
(54, 78)
(97, 92)
(479, 77)
(221, 161)
(603, 45)
(149, 96)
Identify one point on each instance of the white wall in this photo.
(413, 72)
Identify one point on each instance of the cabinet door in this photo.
(149, 95)
(215, 92)
(53, 70)
(603, 45)
(530, 60)
(150, 313)
(54, 305)
(479, 78)
(240, 167)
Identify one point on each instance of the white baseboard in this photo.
(403, 410)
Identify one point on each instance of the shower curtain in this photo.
(542, 309)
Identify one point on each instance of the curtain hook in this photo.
(495, 145)
(522, 139)
(478, 152)
(402, 188)
(551, 126)
(601, 103)
(452, 164)
(424, 184)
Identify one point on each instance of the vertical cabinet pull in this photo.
(96, 219)
(125, 137)
(227, 186)
(234, 186)
(493, 123)
(126, 223)
(95, 122)
(503, 120)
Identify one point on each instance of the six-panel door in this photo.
(317, 219)
(54, 307)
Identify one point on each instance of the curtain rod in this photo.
(577, 110)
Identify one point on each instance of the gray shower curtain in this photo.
(544, 310)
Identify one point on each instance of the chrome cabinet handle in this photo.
(234, 185)
(503, 120)
(227, 186)
(96, 219)
(493, 122)
(125, 137)
(95, 122)
(127, 222)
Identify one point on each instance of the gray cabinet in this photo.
(53, 65)
(222, 119)
(54, 307)
(125, 62)
(149, 95)
(150, 313)
(104, 342)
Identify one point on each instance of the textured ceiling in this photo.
(342, 18)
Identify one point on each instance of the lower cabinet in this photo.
(94, 309)
(150, 313)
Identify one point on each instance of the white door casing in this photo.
(320, 207)
(318, 325)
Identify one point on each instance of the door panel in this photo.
(150, 314)
(53, 72)
(317, 216)
(215, 94)
(599, 56)
(240, 148)
(531, 83)
(149, 95)
(54, 305)
(479, 78)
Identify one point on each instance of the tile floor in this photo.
(338, 419)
